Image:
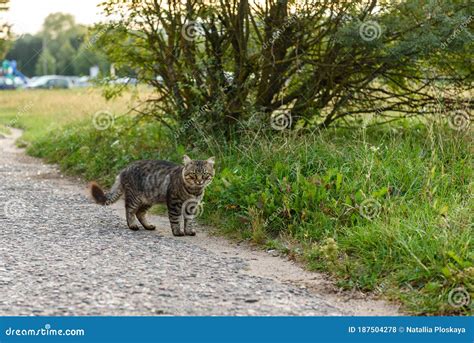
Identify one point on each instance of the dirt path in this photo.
(62, 255)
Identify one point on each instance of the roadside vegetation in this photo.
(384, 210)
(4, 130)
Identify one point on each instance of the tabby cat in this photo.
(145, 183)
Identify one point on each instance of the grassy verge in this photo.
(4, 129)
(383, 210)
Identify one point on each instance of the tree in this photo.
(69, 46)
(58, 27)
(70, 49)
(65, 58)
(4, 30)
(46, 63)
(61, 38)
(25, 51)
(322, 62)
(89, 55)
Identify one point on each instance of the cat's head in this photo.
(198, 173)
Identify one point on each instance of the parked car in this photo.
(80, 81)
(6, 83)
(50, 82)
(21, 82)
(125, 80)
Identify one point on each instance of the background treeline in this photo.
(62, 47)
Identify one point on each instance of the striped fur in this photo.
(145, 183)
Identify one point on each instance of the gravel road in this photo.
(60, 254)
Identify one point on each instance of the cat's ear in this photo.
(211, 160)
(186, 159)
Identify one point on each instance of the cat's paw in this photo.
(178, 232)
(150, 227)
(190, 232)
(134, 227)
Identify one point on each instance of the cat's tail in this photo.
(108, 198)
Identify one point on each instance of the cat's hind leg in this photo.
(131, 219)
(141, 215)
(131, 207)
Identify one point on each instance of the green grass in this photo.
(41, 111)
(384, 210)
(4, 130)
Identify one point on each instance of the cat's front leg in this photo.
(189, 229)
(190, 210)
(189, 213)
(175, 216)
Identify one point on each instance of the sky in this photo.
(27, 16)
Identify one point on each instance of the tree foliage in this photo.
(25, 51)
(46, 64)
(321, 62)
(63, 47)
(4, 29)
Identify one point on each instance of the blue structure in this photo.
(10, 71)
